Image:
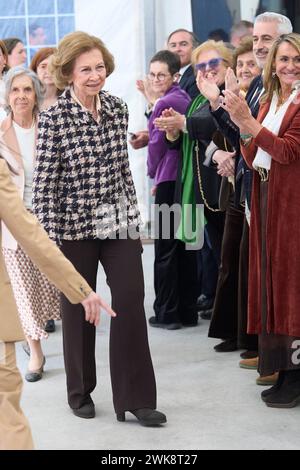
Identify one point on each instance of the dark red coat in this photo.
(283, 228)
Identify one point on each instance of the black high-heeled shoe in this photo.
(145, 416)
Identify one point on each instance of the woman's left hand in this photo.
(231, 82)
(237, 108)
(92, 305)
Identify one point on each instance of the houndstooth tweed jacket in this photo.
(83, 187)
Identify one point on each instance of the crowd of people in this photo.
(222, 142)
(236, 140)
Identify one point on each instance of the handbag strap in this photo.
(200, 181)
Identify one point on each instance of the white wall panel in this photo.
(171, 15)
(248, 9)
(119, 23)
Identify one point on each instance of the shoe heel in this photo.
(121, 417)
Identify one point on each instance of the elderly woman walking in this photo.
(85, 197)
(37, 299)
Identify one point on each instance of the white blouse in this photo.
(27, 142)
(3, 113)
(272, 122)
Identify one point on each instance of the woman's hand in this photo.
(240, 113)
(225, 162)
(231, 82)
(92, 305)
(170, 121)
(140, 141)
(153, 191)
(145, 87)
(209, 89)
(237, 108)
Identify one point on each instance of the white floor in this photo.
(210, 402)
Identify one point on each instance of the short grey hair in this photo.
(284, 23)
(37, 85)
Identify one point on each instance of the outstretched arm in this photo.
(43, 252)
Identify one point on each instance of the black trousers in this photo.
(132, 375)
(175, 270)
(215, 231)
(208, 269)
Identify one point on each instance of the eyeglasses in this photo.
(161, 77)
(211, 64)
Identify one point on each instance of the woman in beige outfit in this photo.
(14, 429)
(36, 298)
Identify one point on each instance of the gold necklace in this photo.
(282, 100)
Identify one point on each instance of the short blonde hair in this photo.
(271, 82)
(69, 49)
(211, 45)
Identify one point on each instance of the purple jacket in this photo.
(162, 162)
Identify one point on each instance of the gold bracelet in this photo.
(172, 139)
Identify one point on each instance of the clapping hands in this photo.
(145, 87)
(209, 89)
(170, 122)
(231, 82)
(237, 107)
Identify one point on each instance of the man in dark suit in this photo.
(183, 42)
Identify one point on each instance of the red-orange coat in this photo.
(283, 228)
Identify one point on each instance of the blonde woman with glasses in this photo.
(192, 132)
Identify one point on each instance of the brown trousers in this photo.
(224, 321)
(132, 375)
(15, 432)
